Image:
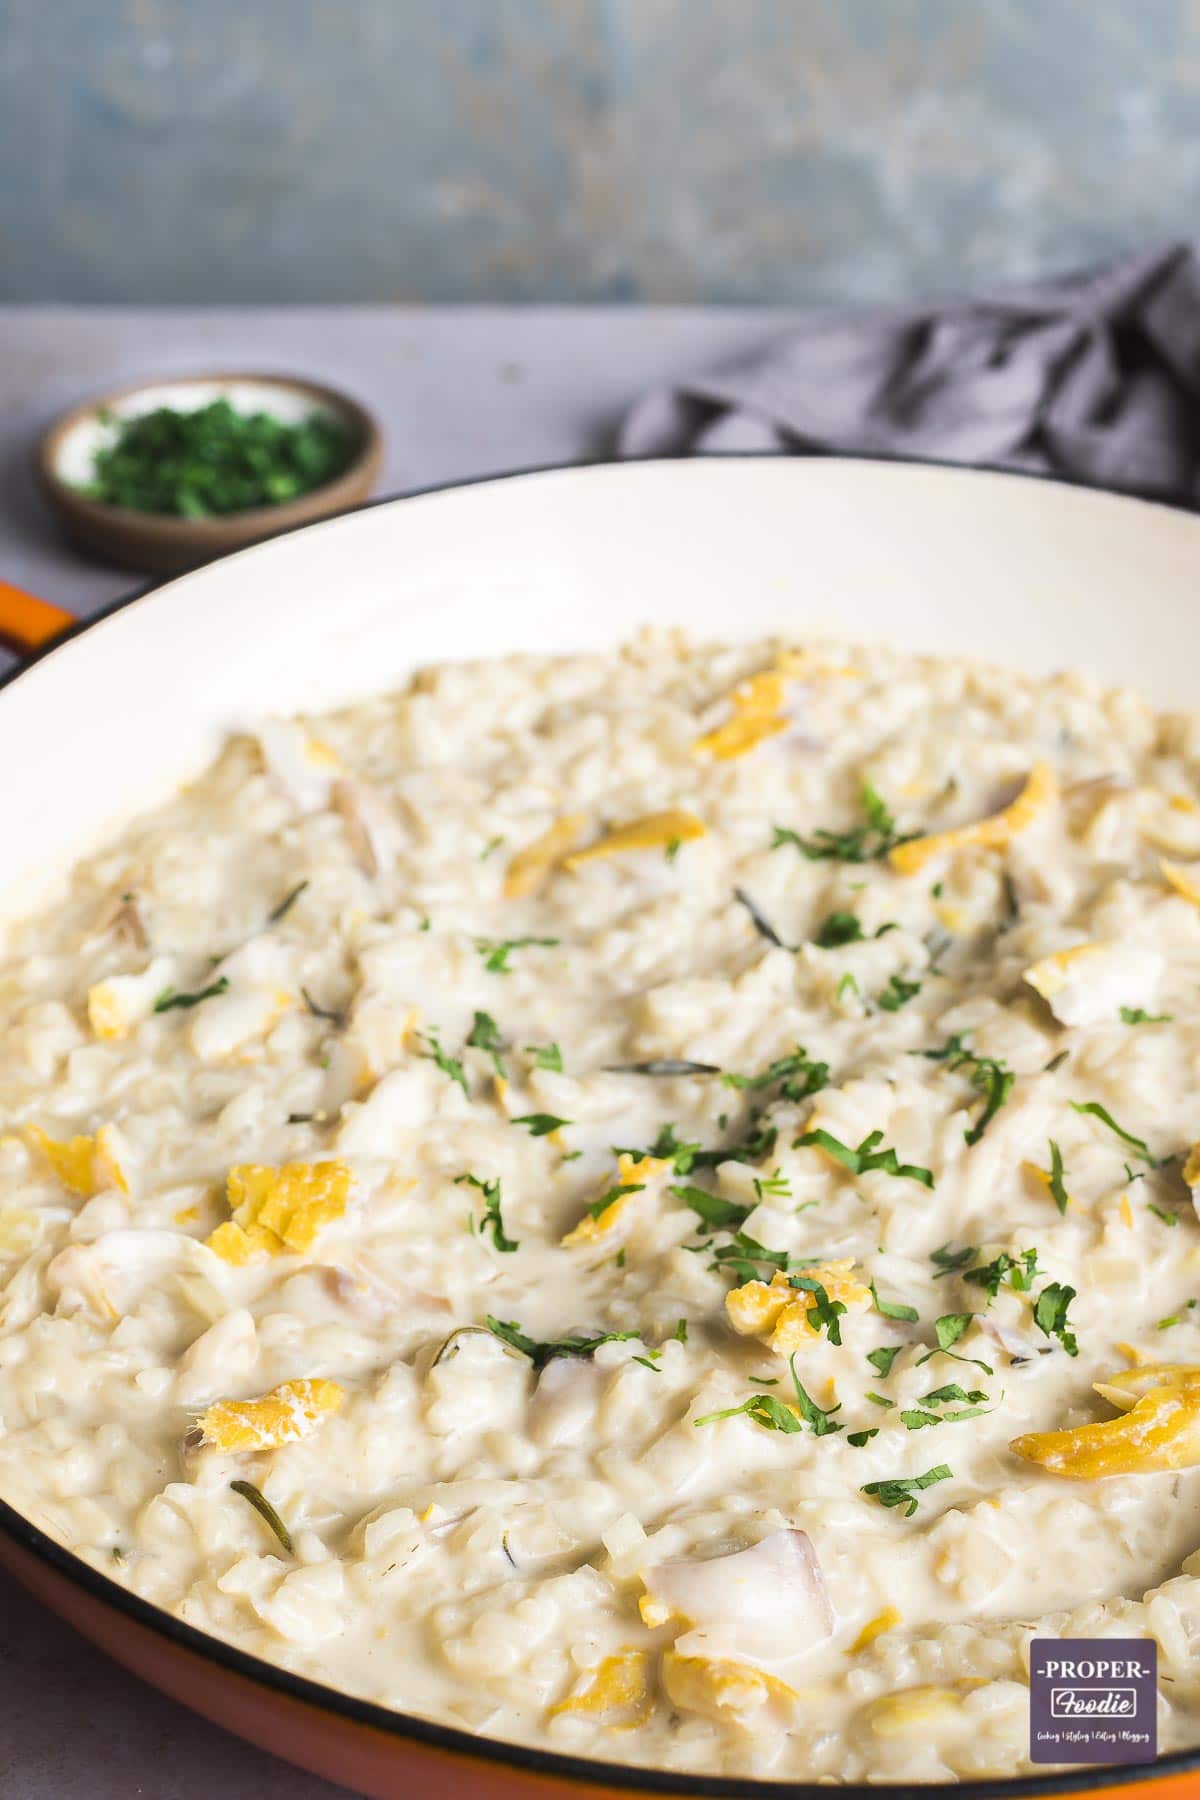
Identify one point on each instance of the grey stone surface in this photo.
(791, 151)
(461, 393)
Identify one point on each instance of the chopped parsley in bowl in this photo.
(164, 475)
(215, 459)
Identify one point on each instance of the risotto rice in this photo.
(633, 1203)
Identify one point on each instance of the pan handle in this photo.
(27, 622)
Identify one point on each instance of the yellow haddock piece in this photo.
(284, 1416)
(717, 1687)
(533, 865)
(86, 1165)
(779, 1313)
(619, 1685)
(277, 1210)
(1049, 976)
(912, 1709)
(887, 1620)
(1159, 1428)
(1185, 881)
(756, 706)
(656, 831)
(994, 833)
(756, 713)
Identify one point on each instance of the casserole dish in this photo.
(1016, 572)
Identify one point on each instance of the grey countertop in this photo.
(461, 392)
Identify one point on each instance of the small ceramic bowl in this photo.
(164, 543)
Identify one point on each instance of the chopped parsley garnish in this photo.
(880, 1400)
(859, 1438)
(988, 1075)
(540, 1354)
(449, 1065)
(868, 842)
(1056, 1062)
(1136, 1015)
(496, 952)
(673, 847)
(262, 1506)
(545, 1056)
(839, 928)
(1160, 1212)
(541, 1124)
(974, 1402)
(663, 1065)
(944, 1395)
(490, 848)
(951, 1262)
(764, 1409)
(485, 1035)
(717, 1213)
(823, 1313)
(331, 1014)
(950, 1327)
(745, 1257)
(1012, 903)
(891, 1309)
(947, 1330)
(772, 1187)
(1017, 1271)
(491, 1220)
(286, 904)
(599, 1207)
(847, 985)
(819, 1421)
(761, 924)
(1058, 1191)
(667, 1147)
(866, 1156)
(883, 1358)
(798, 1075)
(1175, 1318)
(1050, 1315)
(1094, 1109)
(776, 1415)
(898, 993)
(169, 999)
(904, 1491)
(680, 1332)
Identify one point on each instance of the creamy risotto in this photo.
(637, 1204)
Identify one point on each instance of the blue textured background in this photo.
(784, 150)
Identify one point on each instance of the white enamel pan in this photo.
(111, 717)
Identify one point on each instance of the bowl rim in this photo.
(217, 530)
(403, 1727)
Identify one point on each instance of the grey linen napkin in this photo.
(1095, 376)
